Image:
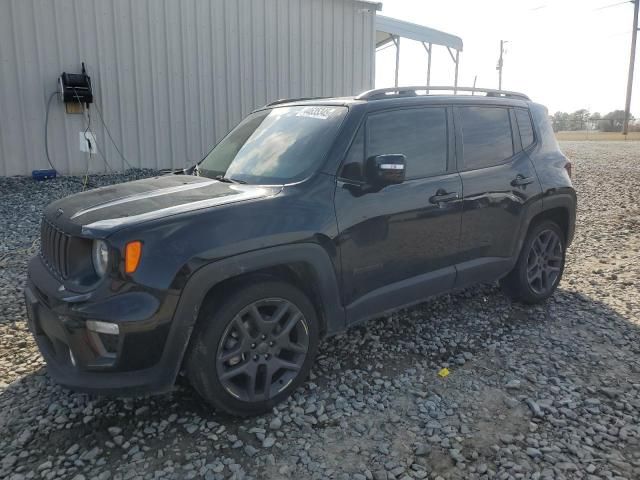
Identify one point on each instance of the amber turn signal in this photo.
(132, 255)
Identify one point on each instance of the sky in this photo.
(565, 54)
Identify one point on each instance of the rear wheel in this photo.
(252, 350)
(539, 268)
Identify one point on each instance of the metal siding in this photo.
(170, 77)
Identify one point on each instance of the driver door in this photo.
(399, 244)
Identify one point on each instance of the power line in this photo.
(612, 5)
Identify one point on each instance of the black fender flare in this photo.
(566, 199)
(549, 201)
(310, 254)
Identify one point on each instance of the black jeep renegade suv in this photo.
(310, 216)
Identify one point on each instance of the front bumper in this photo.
(144, 357)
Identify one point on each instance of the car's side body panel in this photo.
(177, 247)
(312, 255)
(396, 234)
(499, 202)
(550, 162)
(397, 244)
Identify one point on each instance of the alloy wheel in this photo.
(262, 350)
(544, 263)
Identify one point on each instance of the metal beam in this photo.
(384, 42)
(396, 40)
(429, 49)
(456, 60)
(451, 54)
(455, 81)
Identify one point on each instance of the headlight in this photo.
(100, 256)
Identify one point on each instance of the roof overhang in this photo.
(387, 28)
(376, 5)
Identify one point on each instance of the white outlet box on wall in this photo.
(88, 142)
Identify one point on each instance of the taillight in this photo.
(568, 167)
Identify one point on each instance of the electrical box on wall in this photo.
(76, 90)
(88, 142)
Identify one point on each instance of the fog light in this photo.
(103, 327)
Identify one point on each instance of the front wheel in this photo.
(253, 349)
(539, 268)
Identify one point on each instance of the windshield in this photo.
(275, 146)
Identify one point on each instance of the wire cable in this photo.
(86, 182)
(111, 137)
(46, 136)
(104, 158)
(86, 175)
(46, 130)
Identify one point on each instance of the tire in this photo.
(265, 330)
(537, 272)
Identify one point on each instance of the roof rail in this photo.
(287, 100)
(380, 93)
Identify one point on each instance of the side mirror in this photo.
(386, 169)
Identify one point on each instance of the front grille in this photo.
(54, 245)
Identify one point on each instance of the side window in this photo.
(418, 133)
(353, 166)
(486, 136)
(524, 126)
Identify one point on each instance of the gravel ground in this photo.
(551, 391)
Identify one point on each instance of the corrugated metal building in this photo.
(170, 77)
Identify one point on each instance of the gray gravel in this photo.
(551, 391)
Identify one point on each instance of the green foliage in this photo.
(583, 120)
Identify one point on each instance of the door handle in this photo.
(443, 196)
(521, 180)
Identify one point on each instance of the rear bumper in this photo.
(143, 358)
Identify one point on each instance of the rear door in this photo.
(400, 243)
(500, 188)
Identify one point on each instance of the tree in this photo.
(614, 121)
(560, 121)
(578, 119)
(594, 121)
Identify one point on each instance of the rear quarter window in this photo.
(486, 136)
(525, 127)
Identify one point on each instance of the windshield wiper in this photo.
(222, 178)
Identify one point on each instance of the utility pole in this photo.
(500, 63)
(632, 61)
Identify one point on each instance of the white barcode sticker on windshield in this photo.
(319, 112)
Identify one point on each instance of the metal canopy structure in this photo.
(390, 30)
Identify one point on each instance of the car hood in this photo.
(107, 209)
